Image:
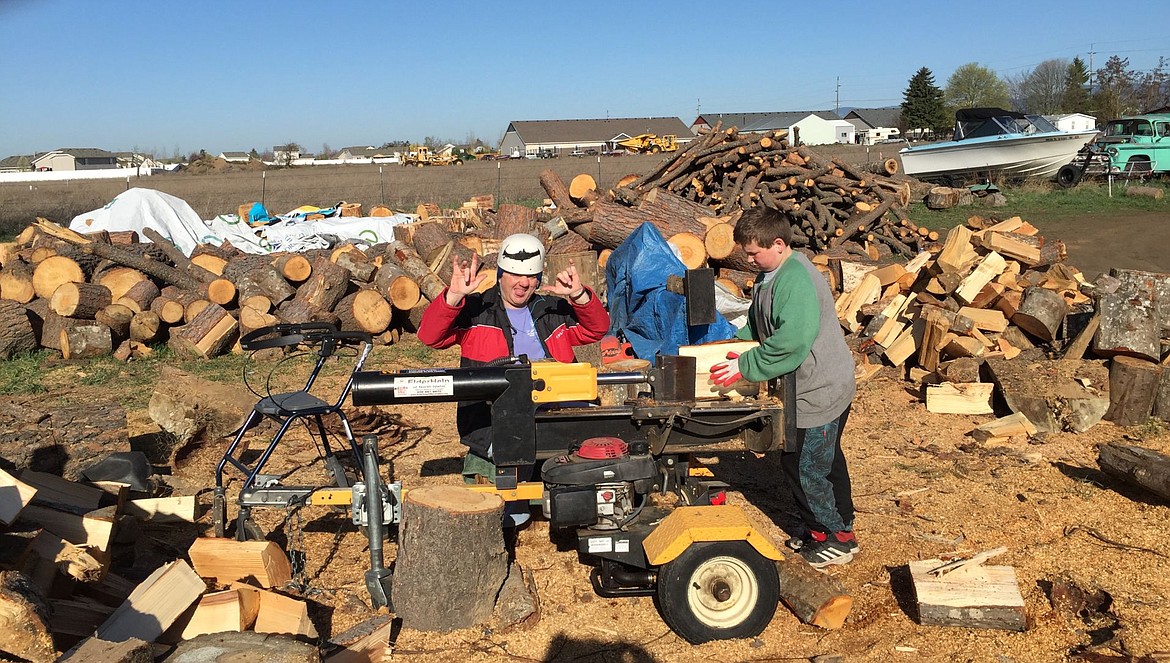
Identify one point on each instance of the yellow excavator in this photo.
(650, 143)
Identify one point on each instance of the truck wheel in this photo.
(654, 149)
(718, 591)
(1068, 176)
(457, 162)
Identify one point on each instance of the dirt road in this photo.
(1099, 242)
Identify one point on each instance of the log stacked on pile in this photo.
(996, 289)
(100, 294)
(695, 198)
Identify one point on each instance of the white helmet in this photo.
(521, 254)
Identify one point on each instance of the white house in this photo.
(809, 127)
(875, 124)
(235, 157)
(1073, 121)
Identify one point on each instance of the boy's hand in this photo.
(727, 373)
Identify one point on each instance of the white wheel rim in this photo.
(743, 592)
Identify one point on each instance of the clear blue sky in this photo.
(235, 75)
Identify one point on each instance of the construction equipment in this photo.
(421, 155)
(650, 143)
(650, 521)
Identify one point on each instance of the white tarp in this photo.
(173, 218)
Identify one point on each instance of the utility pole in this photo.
(1091, 54)
(837, 110)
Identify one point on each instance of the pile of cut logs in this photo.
(695, 197)
(998, 289)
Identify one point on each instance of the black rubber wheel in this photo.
(1068, 176)
(247, 529)
(654, 149)
(718, 591)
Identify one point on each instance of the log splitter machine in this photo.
(713, 574)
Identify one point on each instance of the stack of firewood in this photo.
(695, 197)
(109, 293)
(997, 289)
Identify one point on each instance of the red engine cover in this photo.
(601, 448)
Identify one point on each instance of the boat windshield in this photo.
(1002, 124)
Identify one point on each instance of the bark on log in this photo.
(414, 267)
(365, 310)
(613, 223)
(297, 310)
(1137, 466)
(168, 310)
(451, 558)
(814, 597)
(16, 281)
(182, 263)
(52, 326)
(511, 219)
(131, 257)
(86, 341)
(360, 267)
(261, 279)
(1130, 322)
(570, 242)
(209, 334)
(942, 197)
(327, 285)
(429, 239)
(117, 278)
(24, 619)
(555, 187)
(16, 332)
(139, 296)
(402, 291)
(1133, 388)
(117, 317)
(583, 190)
(61, 440)
(1162, 401)
(147, 326)
(294, 267)
(80, 300)
(1041, 312)
(232, 647)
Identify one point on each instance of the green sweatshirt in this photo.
(798, 331)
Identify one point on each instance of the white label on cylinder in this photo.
(416, 387)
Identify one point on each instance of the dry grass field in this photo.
(284, 189)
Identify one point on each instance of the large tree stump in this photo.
(1041, 312)
(815, 598)
(1136, 466)
(1133, 388)
(16, 332)
(451, 558)
(1130, 323)
(62, 440)
(1052, 394)
(191, 408)
(24, 619)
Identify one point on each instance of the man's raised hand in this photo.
(567, 283)
(464, 279)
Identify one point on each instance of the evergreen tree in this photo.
(1075, 98)
(922, 106)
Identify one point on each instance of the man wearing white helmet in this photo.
(514, 318)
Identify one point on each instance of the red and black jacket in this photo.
(480, 326)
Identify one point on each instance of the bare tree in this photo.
(326, 151)
(1042, 88)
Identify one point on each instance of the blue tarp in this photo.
(641, 309)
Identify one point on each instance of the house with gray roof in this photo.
(557, 137)
(807, 127)
(875, 124)
(83, 158)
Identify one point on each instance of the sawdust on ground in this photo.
(922, 488)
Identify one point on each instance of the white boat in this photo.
(991, 142)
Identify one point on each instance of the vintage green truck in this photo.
(1134, 146)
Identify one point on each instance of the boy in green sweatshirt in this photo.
(793, 317)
